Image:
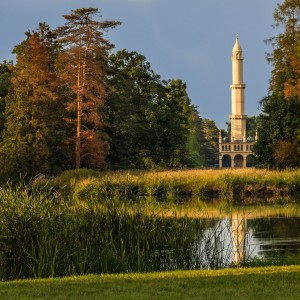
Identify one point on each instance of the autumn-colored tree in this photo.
(277, 142)
(286, 154)
(285, 55)
(32, 133)
(82, 68)
(292, 89)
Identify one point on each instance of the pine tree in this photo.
(82, 67)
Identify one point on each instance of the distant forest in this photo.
(70, 101)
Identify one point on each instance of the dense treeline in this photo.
(69, 102)
(279, 124)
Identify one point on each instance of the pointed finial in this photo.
(237, 36)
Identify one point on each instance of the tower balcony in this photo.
(238, 86)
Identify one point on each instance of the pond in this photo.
(248, 232)
(40, 239)
(273, 238)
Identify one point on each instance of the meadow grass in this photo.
(252, 283)
(225, 183)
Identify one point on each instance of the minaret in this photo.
(237, 117)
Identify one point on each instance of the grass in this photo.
(251, 283)
(227, 183)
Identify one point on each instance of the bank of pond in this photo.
(87, 222)
(224, 183)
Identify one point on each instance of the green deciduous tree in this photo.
(134, 90)
(150, 121)
(210, 143)
(277, 127)
(176, 130)
(6, 69)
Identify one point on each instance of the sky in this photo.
(191, 40)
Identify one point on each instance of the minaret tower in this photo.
(236, 151)
(237, 117)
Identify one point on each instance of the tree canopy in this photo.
(70, 102)
(278, 126)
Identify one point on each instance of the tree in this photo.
(210, 145)
(278, 142)
(150, 122)
(134, 88)
(277, 132)
(82, 66)
(285, 56)
(176, 135)
(32, 133)
(6, 69)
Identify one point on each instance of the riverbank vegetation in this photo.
(270, 283)
(228, 184)
(84, 222)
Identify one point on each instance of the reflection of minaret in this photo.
(237, 117)
(238, 233)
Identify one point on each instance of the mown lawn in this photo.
(251, 283)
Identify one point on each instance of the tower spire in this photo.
(238, 117)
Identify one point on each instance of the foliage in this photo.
(69, 101)
(33, 132)
(81, 65)
(285, 56)
(5, 83)
(130, 106)
(278, 127)
(140, 105)
(209, 142)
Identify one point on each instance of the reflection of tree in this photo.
(279, 236)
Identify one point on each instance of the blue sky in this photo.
(191, 40)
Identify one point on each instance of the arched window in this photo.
(238, 161)
(226, 161)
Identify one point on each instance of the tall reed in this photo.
(42, 236)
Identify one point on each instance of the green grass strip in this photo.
(249, 283)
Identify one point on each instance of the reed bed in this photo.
(43, 236)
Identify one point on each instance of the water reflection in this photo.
(264, 238)
(238, 236)
(275, 237)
